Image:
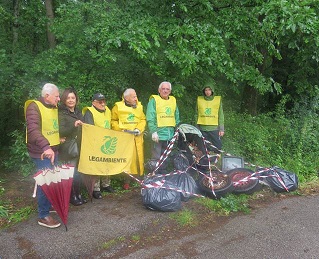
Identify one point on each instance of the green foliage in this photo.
(21, 214)
(118, 180)
(13, 216)
(3, 212)
(1, 188)
(185, 217)
(254, 50)
(19, 160)
(228, 204)
(135, 238)
(108, 244)
(290, 142)
(112, 242)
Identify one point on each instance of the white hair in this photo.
(127, 92)
(48, 89)
(161, 84)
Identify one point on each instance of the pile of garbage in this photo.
(194, 173)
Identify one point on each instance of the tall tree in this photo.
(50, 16)
(16, 9)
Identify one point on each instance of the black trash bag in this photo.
(181, 162)
(150, 166)
(161, 199)
(290, 180)
(185, 183)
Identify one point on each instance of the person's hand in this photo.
(155, 137)
(137, 132)
(62, 140)
(221, 133)
(78, 123)
(49, 153)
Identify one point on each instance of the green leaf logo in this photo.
(107, 124)
(208, 111)
(168, 111)
(131, 117)
(55, 124)
(109, 146)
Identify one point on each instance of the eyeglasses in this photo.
(100, 101)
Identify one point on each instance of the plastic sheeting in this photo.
(185, 183)
(163, 198)
(280, 180)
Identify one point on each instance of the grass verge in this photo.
(185, 217)
(226, 205)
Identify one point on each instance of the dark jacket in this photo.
(67, 120)
(36, 142)
(67, 129)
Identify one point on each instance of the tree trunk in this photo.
(15, 34)
(250, 100)
(50, 16)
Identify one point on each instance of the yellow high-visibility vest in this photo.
(101, 119)
(165, 111)
(50, 126)
(128, 116)
(208, 110)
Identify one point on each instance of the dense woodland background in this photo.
(261, 55)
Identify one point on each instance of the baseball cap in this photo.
(98, 96)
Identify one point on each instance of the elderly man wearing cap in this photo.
(99, 115)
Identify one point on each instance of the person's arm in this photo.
(88, 117)
(115, 118)
(152, 119)
(221, 120)
(34, 128)
(151, 116)
(177, 120)
(196, 113)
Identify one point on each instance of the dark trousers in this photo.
(157, 150)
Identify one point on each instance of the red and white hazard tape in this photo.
(255, 176)
(182, 191)
(159, 184)
(166, 152)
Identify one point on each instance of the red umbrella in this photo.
(56, 184)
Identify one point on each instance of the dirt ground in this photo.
(18, 194)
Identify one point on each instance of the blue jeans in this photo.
(44, 204)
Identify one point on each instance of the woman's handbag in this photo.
(69, 149)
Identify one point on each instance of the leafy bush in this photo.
(290, 142)
(19, 160)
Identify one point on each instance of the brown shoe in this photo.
(49, 222)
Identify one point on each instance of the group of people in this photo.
(50, 126)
